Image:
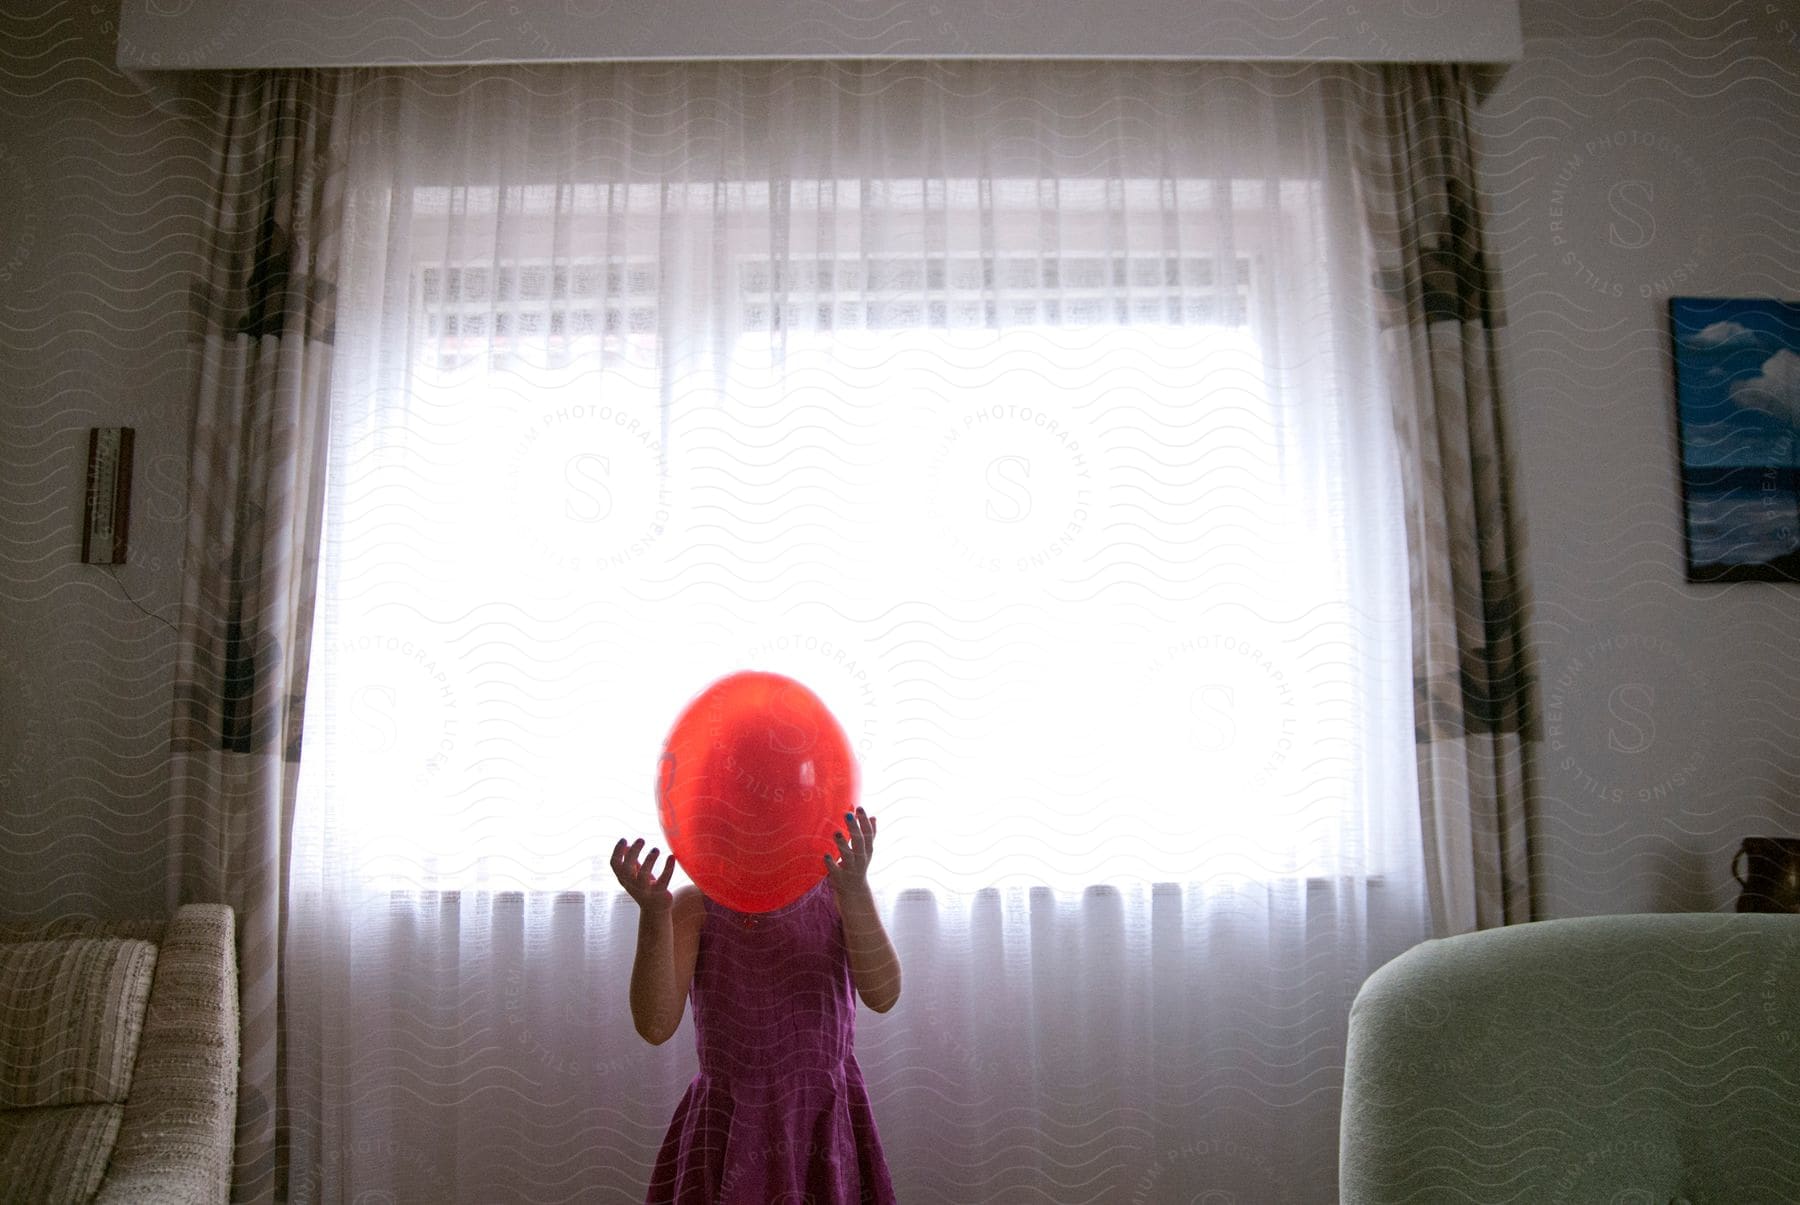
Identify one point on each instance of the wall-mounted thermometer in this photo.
(107, 518)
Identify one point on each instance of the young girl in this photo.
(779, 1114)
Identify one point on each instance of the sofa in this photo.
(118, 1060)
(1617, 1059)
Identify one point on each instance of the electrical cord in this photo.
(113, 572)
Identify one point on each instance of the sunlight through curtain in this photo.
(1039, 418)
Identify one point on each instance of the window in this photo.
(1046, 516)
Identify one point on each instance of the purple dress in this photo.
(779, 1114)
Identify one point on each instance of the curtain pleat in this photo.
(1471, 678)
(263, 315)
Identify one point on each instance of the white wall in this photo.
(232, 33)
(99, 223)
(1637, 153)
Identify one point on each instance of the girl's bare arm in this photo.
(874, 966)
(664, 967)
(668, 943)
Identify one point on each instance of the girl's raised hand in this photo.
(641, 882)
(851, 870)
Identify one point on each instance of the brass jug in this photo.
(1771, 878)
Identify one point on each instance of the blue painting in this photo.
(1737, 405)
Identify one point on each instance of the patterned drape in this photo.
(263, 317)
(1471, 682)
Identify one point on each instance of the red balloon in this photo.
(754, 782)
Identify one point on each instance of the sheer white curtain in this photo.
(1033, 415)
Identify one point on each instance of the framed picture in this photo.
(1737, 410)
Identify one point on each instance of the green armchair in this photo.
(1617, 1059)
